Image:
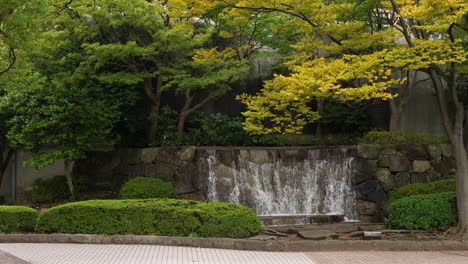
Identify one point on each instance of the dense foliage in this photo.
(50, 190)
(17, 219)
(165, 217)
(425, 188)
(425, 211)
(348, 118)
(146, 188)
(401, 137)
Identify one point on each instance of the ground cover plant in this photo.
(424, 211)
(165, 217)
(17, 219)
(145, 188)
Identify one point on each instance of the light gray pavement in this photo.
(142, 254)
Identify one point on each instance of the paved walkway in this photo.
(142, 254)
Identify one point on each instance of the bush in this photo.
(425, 211)
(17, 219)
(146, 188)
(402, 137)
(164, 217)
(50, 190)
(425, 188)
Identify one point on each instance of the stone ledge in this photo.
(242, 244)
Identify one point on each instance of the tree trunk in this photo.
(462, 186)
(4, 162)
(181, 125)
(68, 174)
(395, 116)
(154, 96)
(320, 107)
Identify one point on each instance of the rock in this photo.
(368, 186)
(377, 196)
(360, 177)
(413, 152)
(133, 156)
(388, 151)
(372, 235)
(317, 234)
(186, 154)
(402, 179)
(433, 175)
(434, 151)
(148, 155)
(447, 150)
(418, 177)
(395, 162)
(386, 179)
(356, 234)
(272, 232)
(421, 166)
(366, 208)
(443, 165)
(369, 151)
(399, 162)
(259, 156)
(372, 166)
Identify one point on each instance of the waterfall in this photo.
(280, 182)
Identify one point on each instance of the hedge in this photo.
(425, 188)
(163, 217)
(50, 190)
(425, 211)
(402, 137)
(17, 219)
(147, 188)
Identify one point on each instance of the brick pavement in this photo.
(143, 254)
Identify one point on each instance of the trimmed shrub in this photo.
(50, 190)
(17, 219)
(147, 188)
(425, 188)
(425, 211)
(401, 137)
(164, 217)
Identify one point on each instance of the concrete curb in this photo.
(243, 244)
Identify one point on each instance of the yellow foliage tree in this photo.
(351, 50)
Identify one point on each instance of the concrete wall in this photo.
(17, 184)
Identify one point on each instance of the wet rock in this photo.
(402, 179)
(386, 179)
(421, 166)
(360, 177)
(369, 151)
(413, 152)
(366, 208)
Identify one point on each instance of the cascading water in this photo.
(285, 182)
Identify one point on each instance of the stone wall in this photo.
(377, 171)
(384, 169)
